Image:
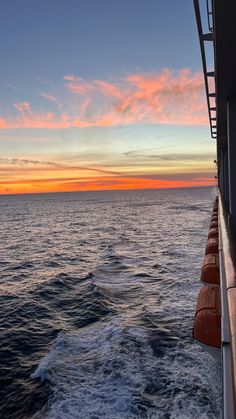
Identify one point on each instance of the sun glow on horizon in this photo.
(46, 185)
(134, 170)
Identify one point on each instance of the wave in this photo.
(187, 207)
(112, 372)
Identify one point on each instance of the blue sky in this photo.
(95, 38)
(84, 82)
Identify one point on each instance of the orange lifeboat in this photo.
(207, 321)
(213, 233)
(210, 271)
(212, 246)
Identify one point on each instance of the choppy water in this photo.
(97, 297)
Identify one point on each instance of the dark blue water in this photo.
(97, 298)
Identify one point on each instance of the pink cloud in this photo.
(169, 97)
(108, 89)
(77, 85)
(165, 97)
(69, 77)
(23, 107)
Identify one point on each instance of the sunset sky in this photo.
(101, 95)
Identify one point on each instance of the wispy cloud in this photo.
(165, 97)
(135, 154)
(11, 86)
(52, 99)
(77, 85)
(25, 162)
(45, 165)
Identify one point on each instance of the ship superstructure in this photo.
(216, 22)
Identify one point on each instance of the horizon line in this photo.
(106, 190)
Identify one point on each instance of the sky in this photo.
(101, 95)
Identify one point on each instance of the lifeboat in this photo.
(213, 224)
(210, 271)
(213, 233)
(212, 246)
(207, 321)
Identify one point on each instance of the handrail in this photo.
(207, 37)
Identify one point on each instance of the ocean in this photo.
(97, 299)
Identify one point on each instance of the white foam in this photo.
(48, 361)
(104, 372)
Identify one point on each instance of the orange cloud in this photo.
(165, 97)
(3, 123)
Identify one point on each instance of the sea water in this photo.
(97, 300)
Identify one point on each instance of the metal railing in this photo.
(208, 75)
(209, 15)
